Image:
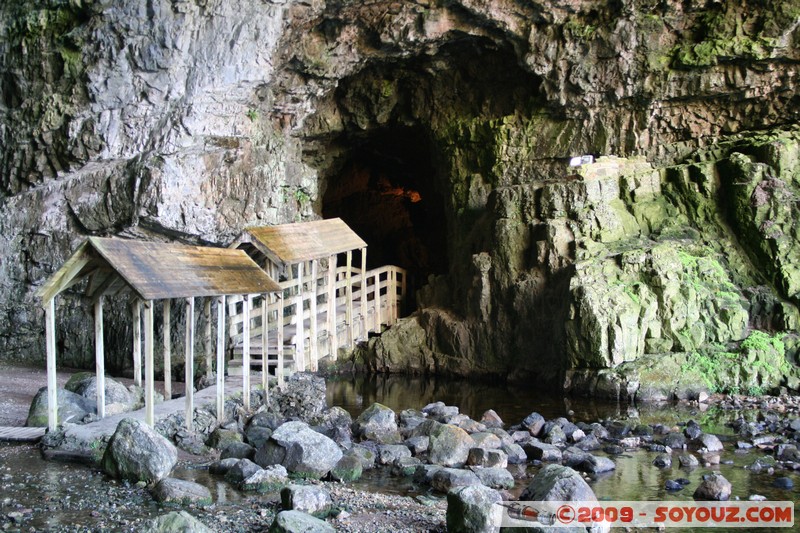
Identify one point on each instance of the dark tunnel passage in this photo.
(385, 192)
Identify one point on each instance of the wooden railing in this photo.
(363, 304)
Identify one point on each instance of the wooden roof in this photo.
(303, 241)
(157, 271)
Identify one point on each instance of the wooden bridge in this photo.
(316, 309)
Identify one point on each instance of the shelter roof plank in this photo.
(157, 271)
(304, 241)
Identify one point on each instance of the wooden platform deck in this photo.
(21, 433)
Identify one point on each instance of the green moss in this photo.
(579, 31)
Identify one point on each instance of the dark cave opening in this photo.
(385, 191)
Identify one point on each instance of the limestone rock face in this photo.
(188, 121)
(137, 453)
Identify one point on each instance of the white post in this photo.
(333, 342)
(207, 338)
(52, 382)
(403, 288)
(279, 341)
(313, 335)
(137, 343)
(100, 357)
(349, 292)
(246, 352)
(220, 358)
(377, 290)
(167, 333)
(300, 336)
(189, 363)
(149, 396)
(364, 293)
(265, 345)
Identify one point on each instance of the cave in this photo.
(387, 167)
(385, 190)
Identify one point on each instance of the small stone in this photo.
(310, 499)
(496, 478)
(711, 442)
(783, 483)
(473, 508)
(714, 487)
(688, 460)
(662, 461)
(298, 521)
(491, 419)
(671, 484)
(445, 479)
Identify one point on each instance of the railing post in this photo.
(349, 292)
(220, 359)
(166, 333)
(279, 340)
(149, 395)
(207, 338)
(246, 352)
(100, 358)
(265, 345)
(313, 333)
(189, 363)
(363, 293)
(52, 381)
(300, 340)
(332, 340)
(377, 298)
(137, 343)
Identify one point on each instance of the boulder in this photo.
(300, 449)
(557, 483)
(449, 445)
(137, 453)
(489, 441)
(487, 458)
(179, 491)
(299, 522)
(378, 423)
(662, 460)
(439, 411)
(348, 468)
(221, 467)
(516, 455)
(542, 451)
(71, 408)
(118, 399)
(594, 464)
(221, 438)
(687, 460)
(713, 487)
(491, 419)
(302, 397)
(418, 444)
(495, 477)
(237, 450)
(309, 499)
(473, 509)
(711, 442)
(388, 453)
(256, 436)
(405, 466)
(445, 479)
(424, 473)
(177, 521)
(243, 469)
(365, 455)
(267, 479)
(534, 423)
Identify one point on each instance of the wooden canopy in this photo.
(302, 241)
(155, 271)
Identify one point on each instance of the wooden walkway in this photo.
(363, 304)
(21, 434)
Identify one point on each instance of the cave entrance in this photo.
(385, 191)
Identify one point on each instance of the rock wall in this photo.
(186, 120)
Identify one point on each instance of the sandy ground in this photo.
(19, 384)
